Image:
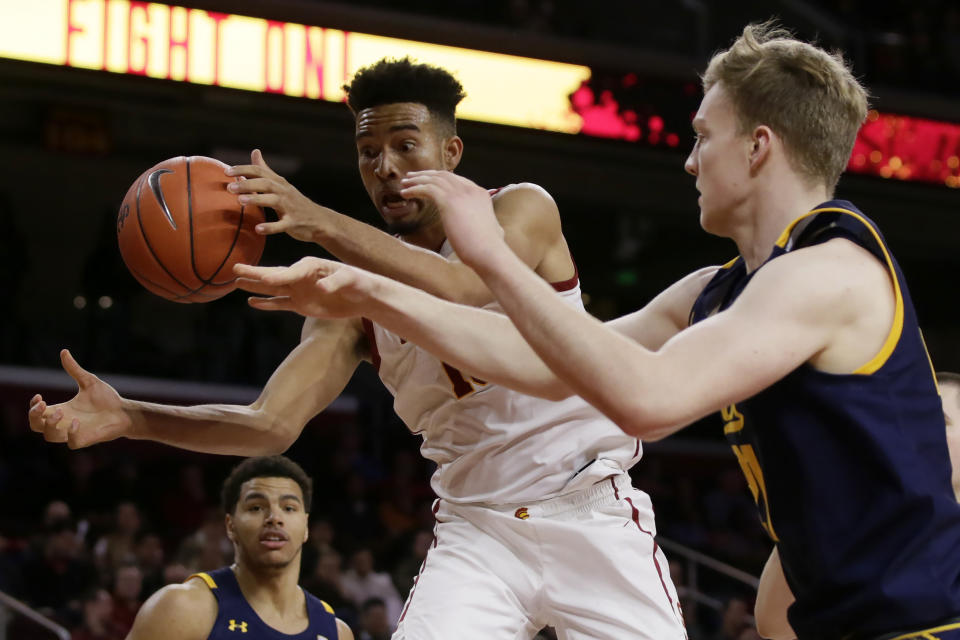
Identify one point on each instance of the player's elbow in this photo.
(552, 390)
(646, 420)
(276, 434)
(282, 436)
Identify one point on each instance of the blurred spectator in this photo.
(184, 504)
(320, 542)
(736, 619)
(150, 557)
(57, 573)
(208, 548)
(175, 573)
(55, 511)
(374, 622)
(409, 565)
(127, 587)
(354, 513)
(361, 582)
(98, 621)
(326, 583)
(118, 546)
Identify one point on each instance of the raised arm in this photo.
(303, 385)
(482, 343)
(832, 303)
(526, 213)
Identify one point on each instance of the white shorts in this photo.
(584, 563)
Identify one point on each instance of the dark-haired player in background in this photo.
(537, 521)
(267, 503)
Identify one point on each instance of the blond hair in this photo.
(807, 96)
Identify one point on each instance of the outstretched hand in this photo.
(311, 287)
(466, 210)
(94, 415)
(298, 215)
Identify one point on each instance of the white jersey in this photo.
(492, 444)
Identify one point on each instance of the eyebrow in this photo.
(397, 127)
(255, 495)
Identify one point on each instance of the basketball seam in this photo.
(193, 257)
(146, 240)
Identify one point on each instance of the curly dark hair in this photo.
(389, 81)
(264, 467)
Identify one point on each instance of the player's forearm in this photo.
(612, 372)
(216, 428)
(369, 248)
(484, 343)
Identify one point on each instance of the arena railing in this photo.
(16, 606)
(694, 561)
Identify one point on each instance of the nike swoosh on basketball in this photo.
(154, 181)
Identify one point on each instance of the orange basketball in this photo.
(180, 231)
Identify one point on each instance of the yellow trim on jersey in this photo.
(874, 364)
(730, 264)
(327, 607)
(927, 634)
(933, 371)
(205, 577)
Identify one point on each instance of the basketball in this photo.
(180, 231)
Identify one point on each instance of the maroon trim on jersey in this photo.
(494, 192)
(566, 285)
(616, 492)
(656, 547)
(636, 451)
(372, 340)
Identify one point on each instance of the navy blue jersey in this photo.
(851, 472)
(236, 619)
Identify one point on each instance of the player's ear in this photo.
(452, 152)
(760, 142)
(228, 522)
(306, 530)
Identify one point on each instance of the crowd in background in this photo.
(86, 536)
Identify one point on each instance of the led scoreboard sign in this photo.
(192, 45)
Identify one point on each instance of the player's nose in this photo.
(386, 168)
(690, 166)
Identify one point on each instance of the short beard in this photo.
(403, 228)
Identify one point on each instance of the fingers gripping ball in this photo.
(180, 231)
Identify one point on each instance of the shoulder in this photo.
(187, 611)
(832, 268)
(343, 631)
(835, 283)
(524, 198)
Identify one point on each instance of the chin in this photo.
(403, 227)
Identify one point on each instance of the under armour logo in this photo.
(234, 626)
(154, 181)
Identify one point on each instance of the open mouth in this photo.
(273, 539)
(392, 204)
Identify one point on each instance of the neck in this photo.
(769, 213)
(430, 237)
(273, 587)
